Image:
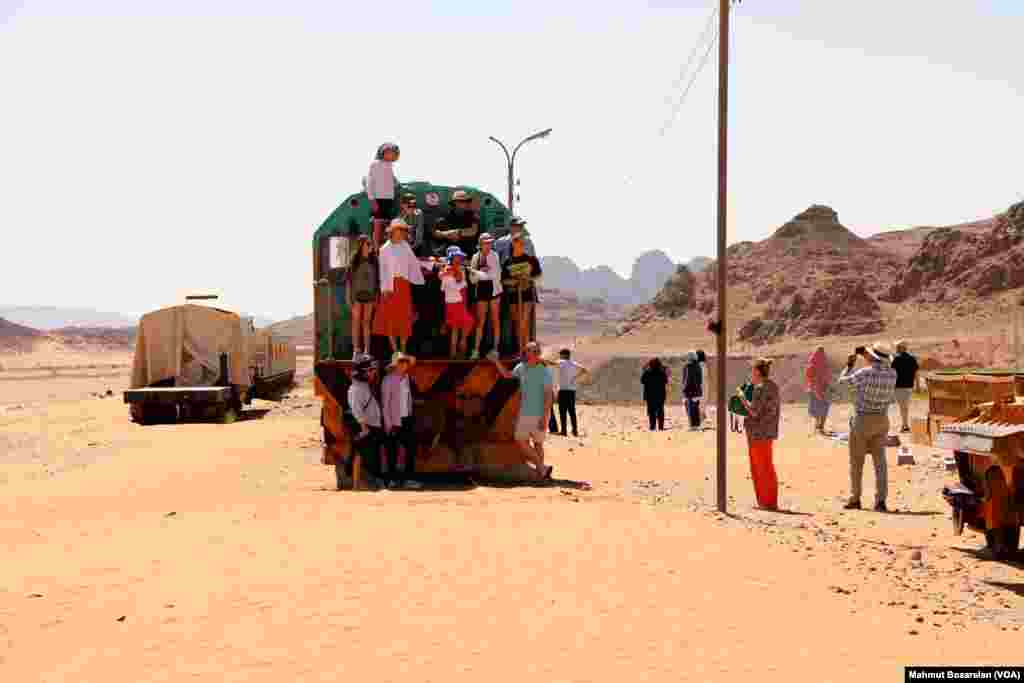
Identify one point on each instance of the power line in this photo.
(696, 46)
(682, 99)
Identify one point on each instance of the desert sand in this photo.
(222, 553)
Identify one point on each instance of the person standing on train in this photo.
(380, 185)
(485, 274)
(519, 275)
(399, 270)
(362, 280)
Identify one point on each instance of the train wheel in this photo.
(1003, 542)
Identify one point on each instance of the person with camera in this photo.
(367, 425)
(874, 388)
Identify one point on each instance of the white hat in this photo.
(880, 351)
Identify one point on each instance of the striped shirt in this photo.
(874, 388)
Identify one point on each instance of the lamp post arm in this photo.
(508, 158)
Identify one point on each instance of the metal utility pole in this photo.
(511, 161)
(723, 139)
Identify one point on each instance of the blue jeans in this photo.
(693, 411)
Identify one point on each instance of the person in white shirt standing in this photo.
(399, 270)
(485, 273)
(568, 372)
(380, 189)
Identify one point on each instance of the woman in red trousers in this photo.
(762, 427)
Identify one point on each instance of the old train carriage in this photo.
(200, 361)
(465, 412)
(980, 417)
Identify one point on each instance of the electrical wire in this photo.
(682, 99)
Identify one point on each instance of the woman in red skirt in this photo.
(399, 270)
(762, 427)
(457, 315)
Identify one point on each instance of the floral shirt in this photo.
(763, 422)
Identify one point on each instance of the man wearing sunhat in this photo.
(461, 225)
(396, 396)
(503, 245)
(874, 391)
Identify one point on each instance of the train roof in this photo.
(353, 215)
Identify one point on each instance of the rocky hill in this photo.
(15, 337)
(651, 270)
(815, 278)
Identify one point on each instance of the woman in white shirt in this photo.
(380, 188)
(485, 273)
(399, 270)
(455, 288)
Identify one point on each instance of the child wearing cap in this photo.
(380, 188)
(485, 273)
(457, 315)
(362, 289)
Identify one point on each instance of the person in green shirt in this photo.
(536, 398)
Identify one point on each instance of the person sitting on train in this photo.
(455, 288)
(413, 217)
(485, 274)
(503, 245)
(380, 188)
(399, 270)
(519, 275)
(362, 289)
(461, 224)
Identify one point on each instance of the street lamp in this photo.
(511, 159)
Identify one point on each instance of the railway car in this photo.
(199, 361)
(464, 412)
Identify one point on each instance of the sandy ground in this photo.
(222, 553)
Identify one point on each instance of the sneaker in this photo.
(413, 485)
(852, 505)
(880, 507)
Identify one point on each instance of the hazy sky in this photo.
(151, 147)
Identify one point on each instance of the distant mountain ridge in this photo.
(50, 318)
(651, 270)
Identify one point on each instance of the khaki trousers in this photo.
(903, 397)
(868, 434)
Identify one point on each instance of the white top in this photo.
(397, 260)
(380, 180)
(364, 406)
(568, 371)
(492, 273)
(452, 289)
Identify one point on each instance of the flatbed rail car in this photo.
(988, 447)
(464, 412)
(955, 394)
(201, 362)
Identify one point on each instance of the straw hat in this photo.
(398, 357)
(880, 351)
(461, 196)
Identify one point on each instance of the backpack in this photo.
(736, 405)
